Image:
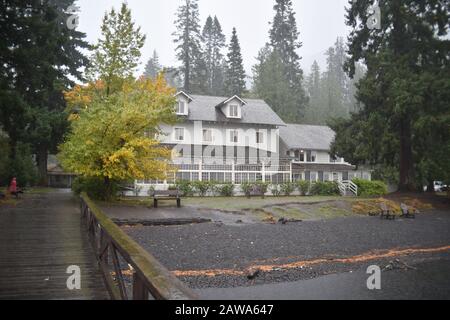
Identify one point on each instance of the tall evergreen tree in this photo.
(404, 114)
(213, 41)
(153, 66)
(39, 57)
(235, 75)
(187, 38)
(282, 53)
(284, 38)
(117, 53)
(314, 110)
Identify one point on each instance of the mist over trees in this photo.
(332, 92)
(277, 76)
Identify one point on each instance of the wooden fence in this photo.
(129, 271)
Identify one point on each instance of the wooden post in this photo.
(139, 290)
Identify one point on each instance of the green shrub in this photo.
(370, 188)
(95, 188)
(262, 186)
(202, 187)
(259, 186)
(247, 188)
(287, 188)
(185, 187)
(225, 190)
(328, 188)
(275, 190)
(303, 187)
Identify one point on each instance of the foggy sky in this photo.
(319, 23)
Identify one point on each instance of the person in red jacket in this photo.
(13, 188)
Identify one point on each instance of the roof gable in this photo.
(188, 97)
(256, 111)
(235, 97)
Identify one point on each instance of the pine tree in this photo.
(187, 38)
(284, 39)
(117, 53)
(404, 114)
(153, 66)
(213, 41)
(34, 76)
(235, 75)
(314, 111)
(282, 53)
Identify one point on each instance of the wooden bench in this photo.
(124, 189)
(407, 212)
(165, 195)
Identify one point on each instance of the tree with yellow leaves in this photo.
(114, 137)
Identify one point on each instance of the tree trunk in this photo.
(108, 192)
(42, 157)
(430, 187)
(406, 157)
(187, 75)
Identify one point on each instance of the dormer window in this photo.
(234, 111)
(232, 107)
(181, 107)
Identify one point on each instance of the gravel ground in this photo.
(218, 246)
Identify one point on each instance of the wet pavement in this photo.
(427, 280)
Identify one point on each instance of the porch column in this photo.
(290, 171)
(233, 168)
(263, 172)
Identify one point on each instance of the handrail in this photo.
(350, 185)
(149, 276)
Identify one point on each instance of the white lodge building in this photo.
(235, 140)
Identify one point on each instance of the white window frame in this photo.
(178, 111)
(234, 135)
(260, 137)
(176, 136)
(232, 108)
(210, 135)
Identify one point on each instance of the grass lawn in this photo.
(271, 209)
(243, 203)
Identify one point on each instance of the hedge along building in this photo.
(232, 140)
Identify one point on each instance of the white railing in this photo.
(348, 185)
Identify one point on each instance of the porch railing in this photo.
(129, 271)
(348, 185)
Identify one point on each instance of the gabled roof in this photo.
(184, 94)
(231, 99)
(203, 108)
(308, 137)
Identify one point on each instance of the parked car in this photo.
(439, 186)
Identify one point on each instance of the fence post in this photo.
(139, 291)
